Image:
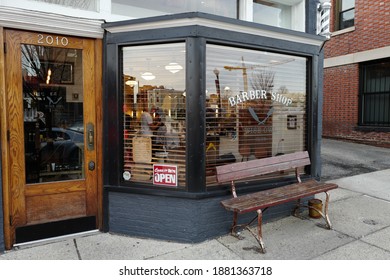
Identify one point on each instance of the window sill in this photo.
(343, 31)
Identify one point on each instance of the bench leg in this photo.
(329, 224)
(259, 234)
(259, 230)
(297, 207)
(233, 230)
(324, 214)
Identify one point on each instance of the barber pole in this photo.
(324, 19)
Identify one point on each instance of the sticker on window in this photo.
(127, 175)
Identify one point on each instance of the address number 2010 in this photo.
(52, 40)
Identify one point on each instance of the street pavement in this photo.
(344, 159)
(359, 211)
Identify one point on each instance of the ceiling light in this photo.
(148, 76)
(173, 67)
(131, 83)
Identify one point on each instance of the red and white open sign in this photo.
(165, 175)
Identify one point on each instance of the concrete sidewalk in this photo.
(359, 211)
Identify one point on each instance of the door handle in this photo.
(90, 137)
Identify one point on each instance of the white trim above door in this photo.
(50, 23)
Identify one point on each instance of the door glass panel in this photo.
(53, 113)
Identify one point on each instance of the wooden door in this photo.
(51, 129)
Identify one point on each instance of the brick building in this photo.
(357, 72)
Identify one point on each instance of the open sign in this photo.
(165, 175)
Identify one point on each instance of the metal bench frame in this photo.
(260, 201)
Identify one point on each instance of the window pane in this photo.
(256, 106)
(89, 5)
(286, 14)
(346, 14)
(154, 111)
(141, 8)
(272, 14)
(376, 94)
(53, 113)
(347, 4)
(347, 19)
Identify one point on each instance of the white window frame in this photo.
(298, 13)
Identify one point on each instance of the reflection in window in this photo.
(154, 112)
(346, 13)
(256, 105)
(141, 8)
(286, 14)
(53, 113)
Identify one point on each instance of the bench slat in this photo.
(272, 197)
(263, 166)
(257, 171)
(262, 162)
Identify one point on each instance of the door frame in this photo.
(9, 230)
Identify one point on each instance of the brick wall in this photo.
(179, 219)
(372, 29)
(340, 111)
(341, 83)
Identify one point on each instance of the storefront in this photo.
(186, 93)
(119, 126)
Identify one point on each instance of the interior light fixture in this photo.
(148, 76)
(48, 76)
(173, 67)
(131, 81)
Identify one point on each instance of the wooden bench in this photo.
(260, 201)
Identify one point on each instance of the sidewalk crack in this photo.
(77, 249)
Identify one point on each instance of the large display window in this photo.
(255, 105)
(255, 108)
(154, 110)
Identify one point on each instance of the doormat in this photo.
(54, 229)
